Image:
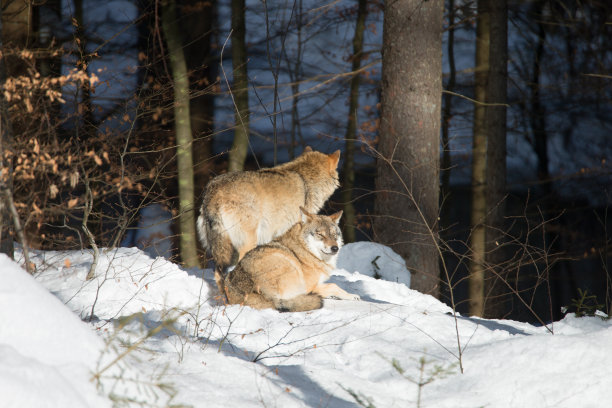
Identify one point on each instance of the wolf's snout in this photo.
(334, 249)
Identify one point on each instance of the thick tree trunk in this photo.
(240, 146)
(479, 165)
(537, 120)
(184, 139)
(497, 86)
(348, 221)
(488, 157)
(407, 182)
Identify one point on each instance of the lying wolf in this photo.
(288, 273)
(241, 210)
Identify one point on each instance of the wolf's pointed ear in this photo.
(305, 214)
(307, 149)
(336, 217)
(333, 159)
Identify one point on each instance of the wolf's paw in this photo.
(348, 296)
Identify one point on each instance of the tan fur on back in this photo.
(241, 210)
(286, 274)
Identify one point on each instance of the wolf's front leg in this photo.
(331, 290)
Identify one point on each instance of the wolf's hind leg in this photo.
(224, 255)
(240, 289)
(219, 279)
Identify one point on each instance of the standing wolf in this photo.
(241, 210)
(288, 273)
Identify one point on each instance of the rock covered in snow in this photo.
(375, 260)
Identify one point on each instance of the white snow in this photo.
(375, 260)
(46, 352)
(158, 335)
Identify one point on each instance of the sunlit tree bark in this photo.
(488, 153)
(408, 165)
(198, 25)
(184, 139)
(479, 165)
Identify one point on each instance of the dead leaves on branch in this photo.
(50, 177)
(53, 169)
(25, 89)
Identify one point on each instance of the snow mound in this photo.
(127, 281)
(46, 352)
(375, 260)
(185, 347)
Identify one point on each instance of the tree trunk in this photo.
(198, 29)
(537, 120)
(294, 69)
(447, 116)
(479, 165)
(240, 146)
(16, 21)
(16, 27)
(445, 169)
(348, 221)
(537, 113)
(184, 140)
(7, 232)
(497, 86)
(488, 153)
(408, 164)
(15, 17)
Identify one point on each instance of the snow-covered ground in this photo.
(146, 330)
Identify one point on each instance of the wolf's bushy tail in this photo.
(201, 228)
(301, 303)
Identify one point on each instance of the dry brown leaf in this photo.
(74, 178)
(36, 208)
(53, 190)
